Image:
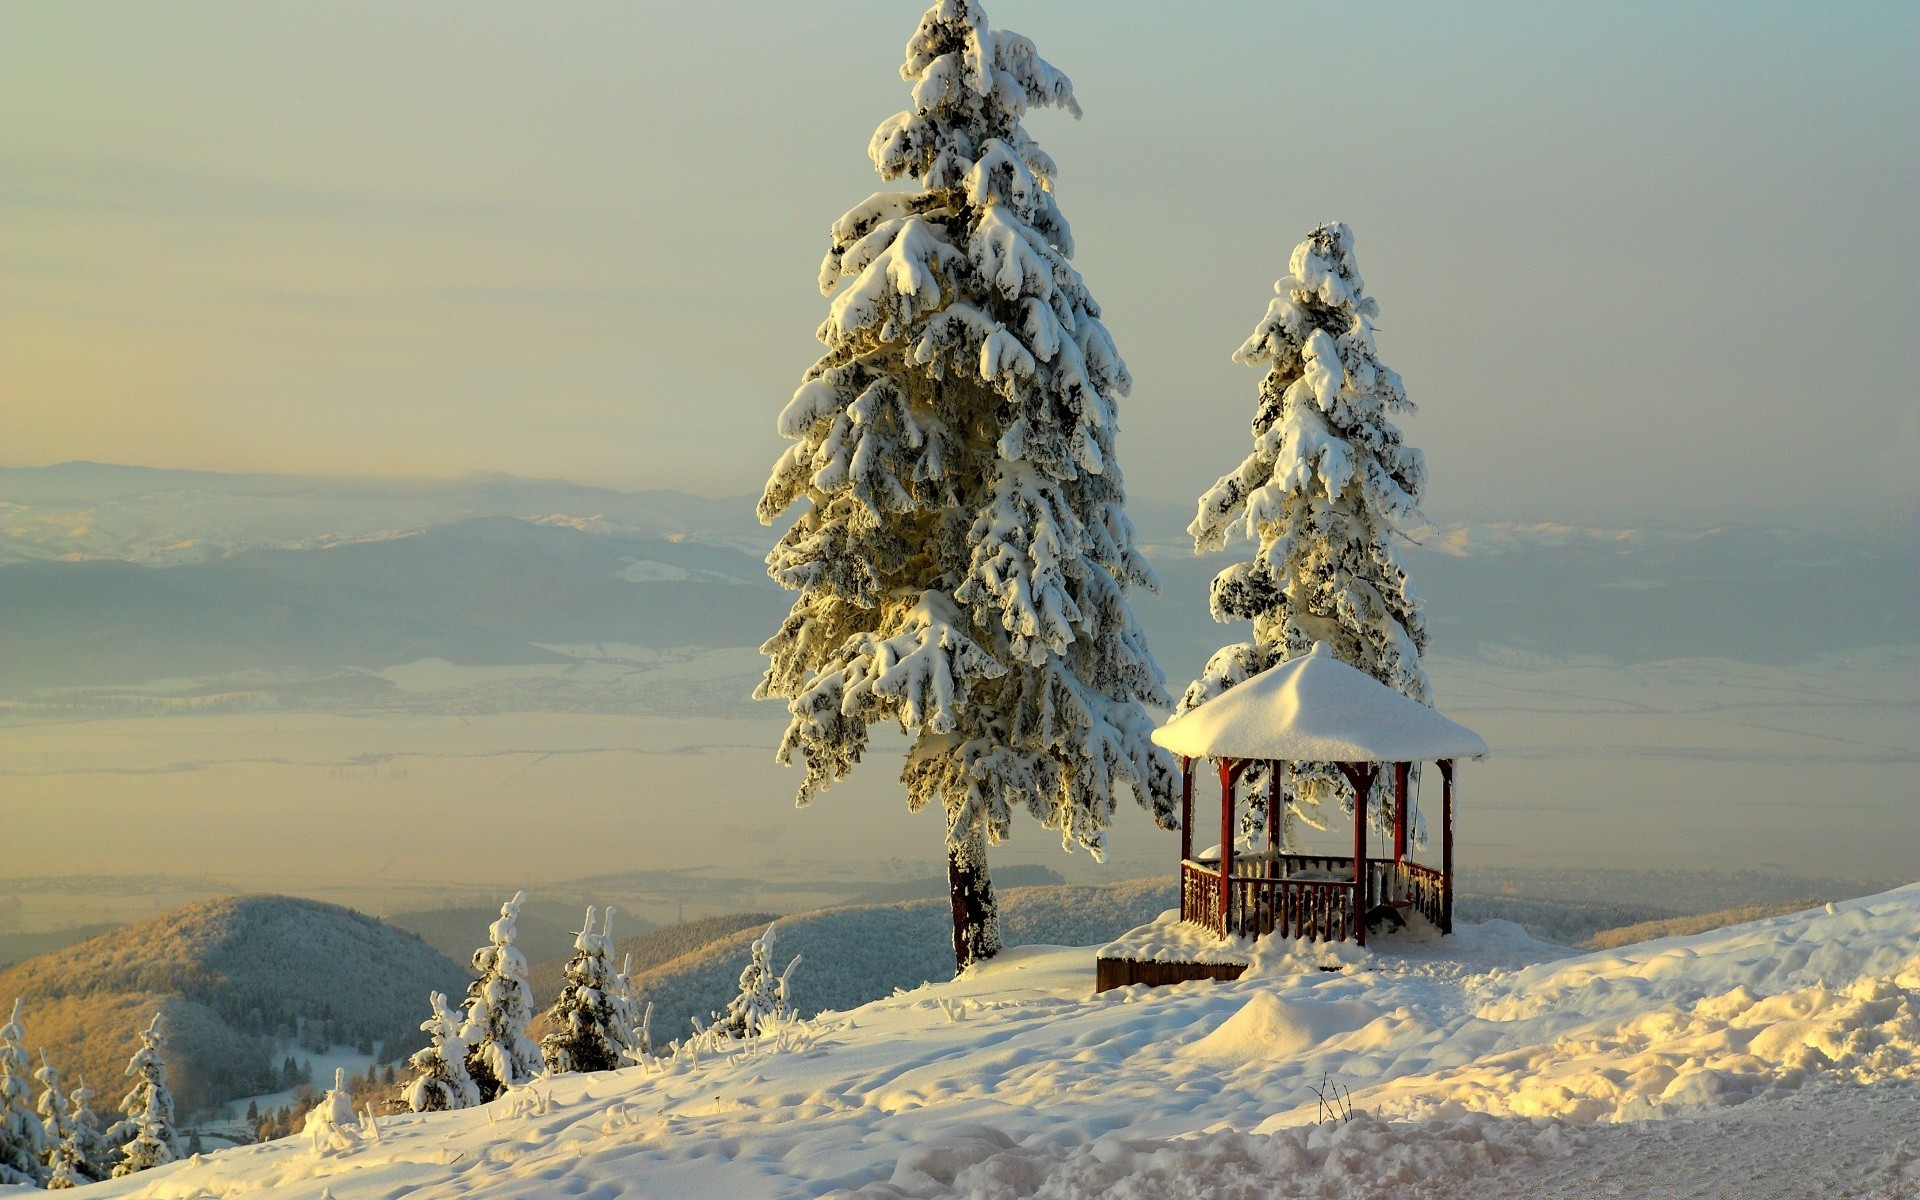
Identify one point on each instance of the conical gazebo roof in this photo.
(1316, 708)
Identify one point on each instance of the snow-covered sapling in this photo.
(23, 1138)
(146, 1136)
(440, 1080)
(764, 1000)
(585, 1027)
(500, 1055)
(332, 1124)
(961, 549)
(635, 1018)
(1328, 478)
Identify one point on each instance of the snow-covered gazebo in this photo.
(1314, 708)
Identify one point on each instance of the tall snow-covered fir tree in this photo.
(23, 1138)
(440, 1080)
(961, 547)
(1327, 480)
(585, 1029)
(147, 1136)
(500, 1055)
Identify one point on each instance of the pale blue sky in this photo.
(1628, 255)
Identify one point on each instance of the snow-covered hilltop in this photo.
(1487, 1059)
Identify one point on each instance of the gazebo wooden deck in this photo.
(1314, 708)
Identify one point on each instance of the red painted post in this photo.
(1273, 819)
(1400, 771)
(1446, 845)
(1227, 774)
(1361, 776)
(1186, 808)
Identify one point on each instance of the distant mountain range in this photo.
(300, 591)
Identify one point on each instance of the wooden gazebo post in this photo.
(1446, 845)
(1186, 808)
(1229, 770)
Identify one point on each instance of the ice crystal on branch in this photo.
(961, 548)
(1328, 478)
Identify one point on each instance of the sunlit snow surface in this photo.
(1487, 1059)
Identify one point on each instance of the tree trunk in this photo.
(976, 914)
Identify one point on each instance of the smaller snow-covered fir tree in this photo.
(332, 1124)
(66, 1163)
(584, 1027)
(1328, 478)
(764, 999)
(150, 1140)
(635, 1018)
(23, 1138)
(500, 1055)
(88, 1138)
(440, 1080)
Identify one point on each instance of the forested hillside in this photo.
(240, 979)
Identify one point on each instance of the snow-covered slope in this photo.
(1770, 1059)
(861, 952)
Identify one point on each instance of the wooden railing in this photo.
(1267, 894)
(1200, 896)
(1426, 888)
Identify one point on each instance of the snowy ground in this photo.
(1780, 1058)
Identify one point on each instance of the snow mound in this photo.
(1268, 1027)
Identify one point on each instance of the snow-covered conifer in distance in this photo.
(440, 1080)
(585, 1030)
(148, 1106)
(961, 548)
(1328, 478)
(23, 1138)
(66, 1165)
(500, 1055)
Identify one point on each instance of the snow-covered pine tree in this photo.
(23, 1139)
(584, 1029)
(1328, 478)
(764, 999)
(500, 1055)
(89, 1139)
(66, 1164)
(440, 1080)
(962, 550)
(147, 1138)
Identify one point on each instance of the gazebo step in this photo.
(1121, 972)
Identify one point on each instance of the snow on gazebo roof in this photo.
(1316, 708)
